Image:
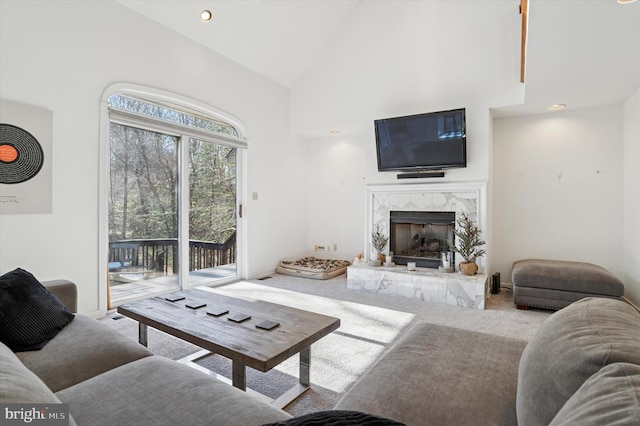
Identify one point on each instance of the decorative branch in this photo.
(378, 239)
(468, 239)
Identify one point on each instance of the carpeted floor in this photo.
(370, 324)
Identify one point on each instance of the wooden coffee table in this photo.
(242, 342)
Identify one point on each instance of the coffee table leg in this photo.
(239, 375)
(142, 333)
(305, 367)
(304, 381)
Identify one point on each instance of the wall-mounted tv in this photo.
(430, 141)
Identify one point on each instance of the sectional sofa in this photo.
(109, 379)
(582, 367)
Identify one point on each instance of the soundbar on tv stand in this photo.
(423, 174)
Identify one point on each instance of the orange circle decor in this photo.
(21, 155)
(8, 153)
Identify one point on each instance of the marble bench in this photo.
(554, 284)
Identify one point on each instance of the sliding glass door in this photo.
(212, 211)
(172, 210)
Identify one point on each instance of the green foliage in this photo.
(141, 107)
(468, 239)
(143, 183)
(212, 191)
(378, 239)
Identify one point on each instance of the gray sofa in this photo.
(582, 367)
(109, 379)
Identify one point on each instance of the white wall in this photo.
(631, 190)
(336, 198)
(395, 59)
(62, 55)
(557, 188)
(398, 58)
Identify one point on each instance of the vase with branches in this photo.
(468, 244)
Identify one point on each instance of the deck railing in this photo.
(161, 255)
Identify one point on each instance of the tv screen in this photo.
(431, 141)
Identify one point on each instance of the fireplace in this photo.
(421, 237)
(451, 198)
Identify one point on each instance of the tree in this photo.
(144, 178)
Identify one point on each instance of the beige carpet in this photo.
(370, 323)
(500, 316)
(341, 357)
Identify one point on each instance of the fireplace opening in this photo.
(421, 237)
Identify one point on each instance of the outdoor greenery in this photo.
(142, 184)
(212, 191)
(144, 179)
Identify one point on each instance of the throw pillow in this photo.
(30, 315)
(337, 418)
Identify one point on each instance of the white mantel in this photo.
(468, 197)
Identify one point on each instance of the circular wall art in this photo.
(21, 156)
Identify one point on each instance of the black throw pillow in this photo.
(337, 418)
(30, 315)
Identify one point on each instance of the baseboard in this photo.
(261, 274)
(95, 314)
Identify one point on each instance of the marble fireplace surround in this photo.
(469, 197)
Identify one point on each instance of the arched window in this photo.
(171, 193)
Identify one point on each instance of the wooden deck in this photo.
(152, 285)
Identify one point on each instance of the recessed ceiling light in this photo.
(206, 15)
(556, 107)
(334, 132)
(625, 1)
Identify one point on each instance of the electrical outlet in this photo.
(318, 248)
(335, 247)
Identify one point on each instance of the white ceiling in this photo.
(275, 38)
(581, 53)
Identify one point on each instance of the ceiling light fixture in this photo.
(556, 107)
(334, 132)
(206, 15)
(626, 1)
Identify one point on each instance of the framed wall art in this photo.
(25, 158)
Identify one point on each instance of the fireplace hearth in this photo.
(421, 237)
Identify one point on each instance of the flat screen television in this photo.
(430, 141)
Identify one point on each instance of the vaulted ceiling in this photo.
(582, 53)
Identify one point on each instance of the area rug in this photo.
(337, 360)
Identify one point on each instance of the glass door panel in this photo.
(143, 213)
(212, 211)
